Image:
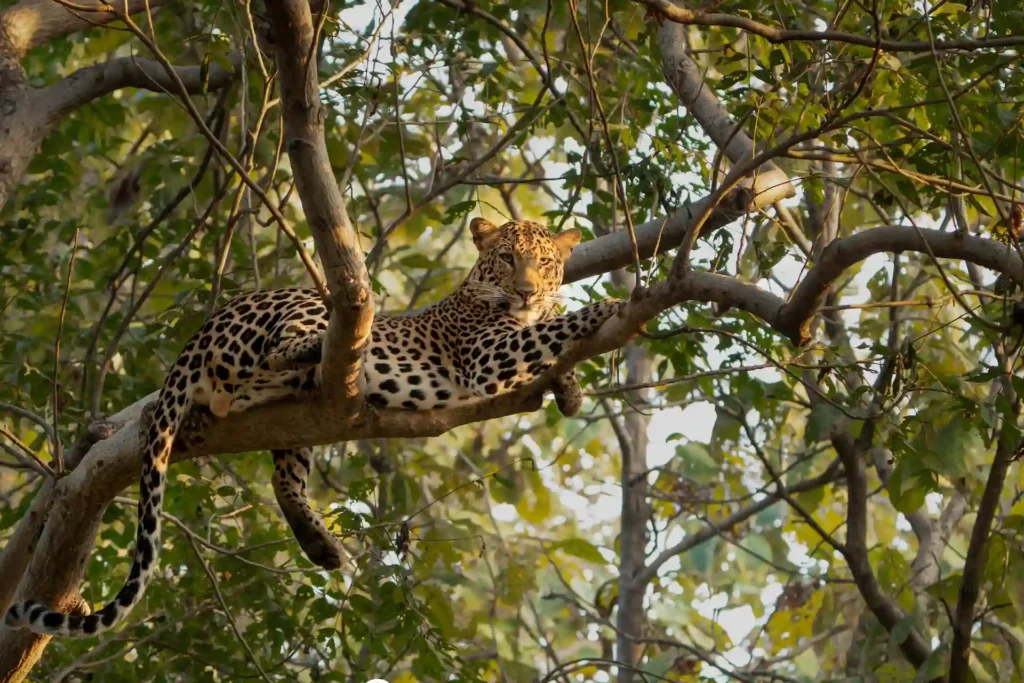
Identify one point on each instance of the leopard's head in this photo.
(520, 266)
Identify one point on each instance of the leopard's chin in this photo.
(527, 315)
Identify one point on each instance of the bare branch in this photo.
(683, 75)
(58, 450)
(615, 250)
(224, 607)
(29, 415)
(25, 454)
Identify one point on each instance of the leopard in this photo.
(498, 330)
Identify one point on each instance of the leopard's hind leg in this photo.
(291, 468)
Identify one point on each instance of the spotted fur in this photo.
(495, 333)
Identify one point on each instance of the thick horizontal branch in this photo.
(682, 15)
(795, 318)
(791, 318)
(91, 82)
(32, 23)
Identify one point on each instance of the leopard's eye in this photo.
(546, 261)
(506, 256)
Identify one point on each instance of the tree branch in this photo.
(91, 82)
(336, 240)
(796, 316)
(615, 250)
(670, 10)
(913, 645)
(683, 75)
(32, 23)
(970, 581)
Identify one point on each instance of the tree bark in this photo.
(20, 132)
(630, 619)
(913, 645)
(336, 241)
(974, 563)
(32, 23)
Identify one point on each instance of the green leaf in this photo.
(660, 664)
(908, 486)
(457, 211)
(760, 550)
(695, 462)
(418, 261)
(582, 549)
(819, 424)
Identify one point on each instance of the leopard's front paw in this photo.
(611, 309)
(568, 394)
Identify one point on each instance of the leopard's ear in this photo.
(566, 240)
(485, 233)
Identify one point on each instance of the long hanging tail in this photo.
(167, 420)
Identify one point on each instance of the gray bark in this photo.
(630, 620)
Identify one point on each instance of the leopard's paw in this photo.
(568, 394)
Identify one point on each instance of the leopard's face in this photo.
(520, 266)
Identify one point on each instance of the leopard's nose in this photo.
(525, 292)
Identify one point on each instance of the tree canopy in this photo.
(805, 468)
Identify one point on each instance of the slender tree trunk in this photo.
(631, 431)
(630, 621)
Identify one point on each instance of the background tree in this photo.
(804, 470)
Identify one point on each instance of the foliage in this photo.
(492, 553)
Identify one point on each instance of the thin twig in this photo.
(224, 606)
(29, 415)
(58, 451)
(5, 431)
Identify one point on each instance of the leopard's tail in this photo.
(167, 418)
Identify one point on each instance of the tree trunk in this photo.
(21, 128)
(630, 621)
